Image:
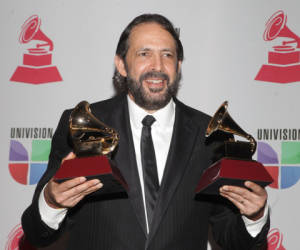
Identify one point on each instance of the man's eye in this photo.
(143, 54)
(168, 55)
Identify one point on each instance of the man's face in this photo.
(151, 66)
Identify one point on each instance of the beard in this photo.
(146, 100)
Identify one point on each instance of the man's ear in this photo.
(179, 66)
(119, 63)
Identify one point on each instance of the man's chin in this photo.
(154, 101)
(156, 92)
(157, 101)
(156, 97)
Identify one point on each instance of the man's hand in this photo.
(250, 203)
(67, 194)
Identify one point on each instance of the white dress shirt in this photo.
(162, 130)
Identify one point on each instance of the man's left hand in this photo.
(251, 202)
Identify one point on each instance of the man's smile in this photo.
(155, 84)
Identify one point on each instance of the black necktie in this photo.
(149, 167)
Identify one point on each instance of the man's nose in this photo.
(157, 63)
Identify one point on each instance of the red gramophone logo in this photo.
(283, 59)
(37, 65)
(275, 240)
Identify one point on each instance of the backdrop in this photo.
(56, 53)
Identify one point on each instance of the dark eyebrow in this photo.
(144, 49)
(163, 50)
(168, 50)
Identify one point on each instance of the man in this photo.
(148, 67)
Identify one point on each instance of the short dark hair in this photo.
(123, 44)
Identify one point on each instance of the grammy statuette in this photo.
(93, 143)
(236, 165)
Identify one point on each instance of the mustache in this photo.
(154, 74)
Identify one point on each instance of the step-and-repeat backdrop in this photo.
(56, 53)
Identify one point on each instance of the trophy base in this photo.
(230, 171)
(93, 167)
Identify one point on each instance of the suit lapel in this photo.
(182, 144)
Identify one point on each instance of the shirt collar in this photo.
(164, 117)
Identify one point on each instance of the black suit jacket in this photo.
(118, 223)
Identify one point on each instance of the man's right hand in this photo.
(67, 194)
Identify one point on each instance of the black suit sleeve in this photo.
(35, 230)
(229, 229)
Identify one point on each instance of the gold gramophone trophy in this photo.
(236, 165)
(93, 143)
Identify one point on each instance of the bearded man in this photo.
(161, 211)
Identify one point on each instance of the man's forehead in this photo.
(150, 33)
(147, 24)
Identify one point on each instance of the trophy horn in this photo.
(223, 121)
(90, 135)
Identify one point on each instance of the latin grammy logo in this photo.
(284, 59)
(275, 239)
(37, 65)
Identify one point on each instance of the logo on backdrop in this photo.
(275, 238)
(28, 153)
(16, 240)
(37, 65)
(279, 151)
(284, 58)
